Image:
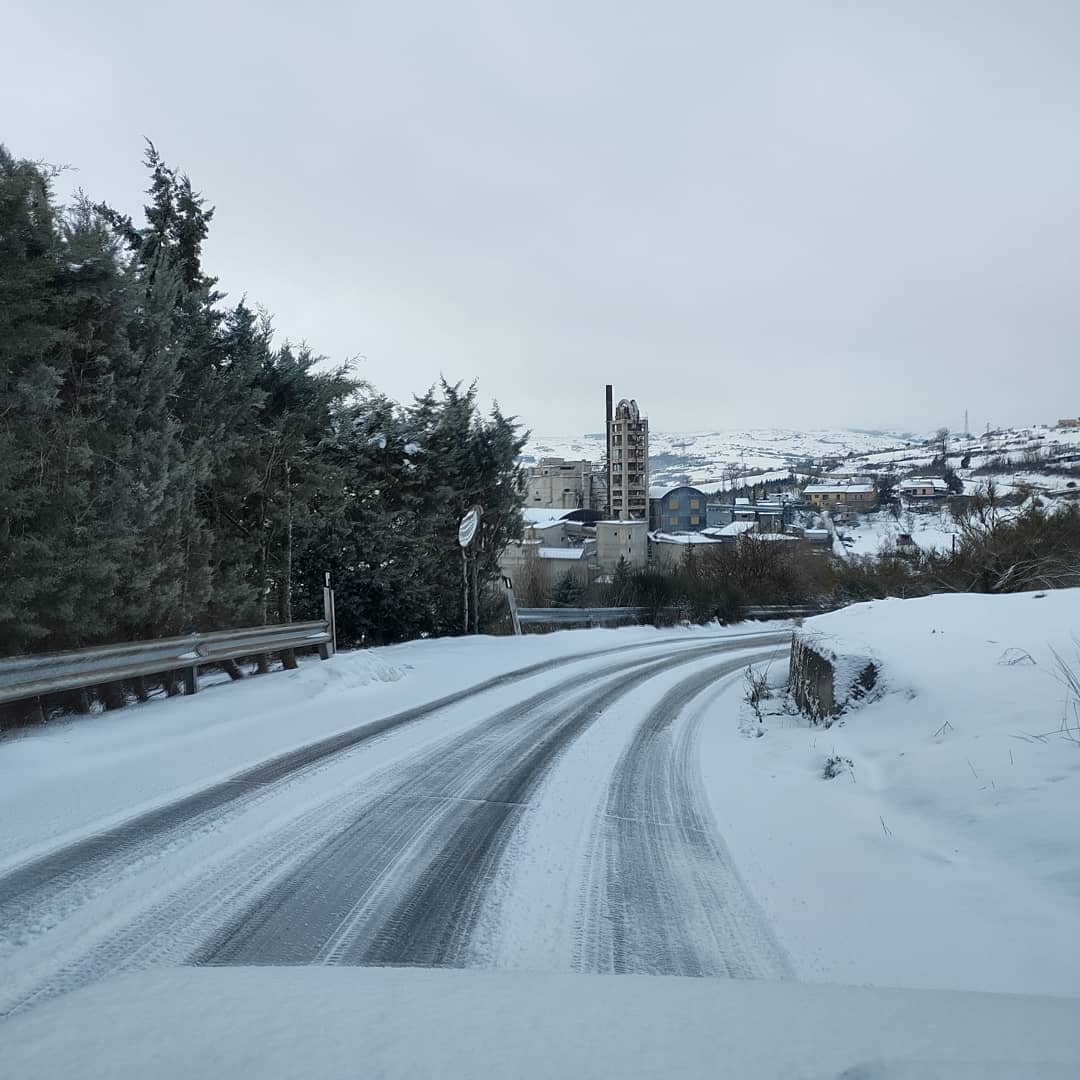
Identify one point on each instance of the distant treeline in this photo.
(165, 466)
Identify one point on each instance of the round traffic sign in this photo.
(469, 524)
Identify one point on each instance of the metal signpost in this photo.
(467, 531)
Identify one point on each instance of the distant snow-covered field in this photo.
(1041, 460)
(706, 458)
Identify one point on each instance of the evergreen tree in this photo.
(164, 467)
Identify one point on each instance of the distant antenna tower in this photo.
(967, 430)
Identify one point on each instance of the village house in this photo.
(922, 487)
(849, 494)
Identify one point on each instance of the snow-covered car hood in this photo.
(309, 1023)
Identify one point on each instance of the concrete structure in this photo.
(847, 494)
(680, 509)
(628, 461)
(668, 550)
(769, 515)
(732, 530)
(543, 559)
(922, 487)
(617, 540)
(559, 484)
(553, 548)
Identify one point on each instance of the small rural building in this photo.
(770, 515)
(923, 487)
(848, 494)
(1069, 422)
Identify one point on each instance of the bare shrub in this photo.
(757, 689)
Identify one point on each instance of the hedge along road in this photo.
(324, 856)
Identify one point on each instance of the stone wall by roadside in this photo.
(825, 679)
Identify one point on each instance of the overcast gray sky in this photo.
(752, 214)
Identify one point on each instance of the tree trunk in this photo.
(232, 669)
(476, 595)
(285, 605)
(113, 695)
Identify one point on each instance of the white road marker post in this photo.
(511, 600)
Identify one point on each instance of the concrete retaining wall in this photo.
(825, 682)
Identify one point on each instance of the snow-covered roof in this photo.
(661, 492)
(832, 489)
(913, 482)
(542, 515)
(560, 553)
(682, 538)
(734, 529)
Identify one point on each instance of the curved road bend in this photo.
(397, 868)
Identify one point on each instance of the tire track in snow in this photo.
(82, 869)
(661, 893)
(183, 922)
(402, 882)
(393, 869)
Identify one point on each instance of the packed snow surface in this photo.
(493, 804)
(322, 1024)
(547, 810)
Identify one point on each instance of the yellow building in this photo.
(850, 495)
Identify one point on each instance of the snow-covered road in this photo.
(550, 816)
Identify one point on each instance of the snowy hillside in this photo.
(708, 458)
(1043, 459)
(1040, 461)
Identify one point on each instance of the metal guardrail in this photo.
(782, 611)
(596, 615)
(23, 677)
(600, 616)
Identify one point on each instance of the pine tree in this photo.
(164, 467)
(63, 341)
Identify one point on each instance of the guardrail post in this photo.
(190, 677)
(288, 659)
(329, 648)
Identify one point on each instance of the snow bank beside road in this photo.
(946, 856)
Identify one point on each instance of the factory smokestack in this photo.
(607, 430)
